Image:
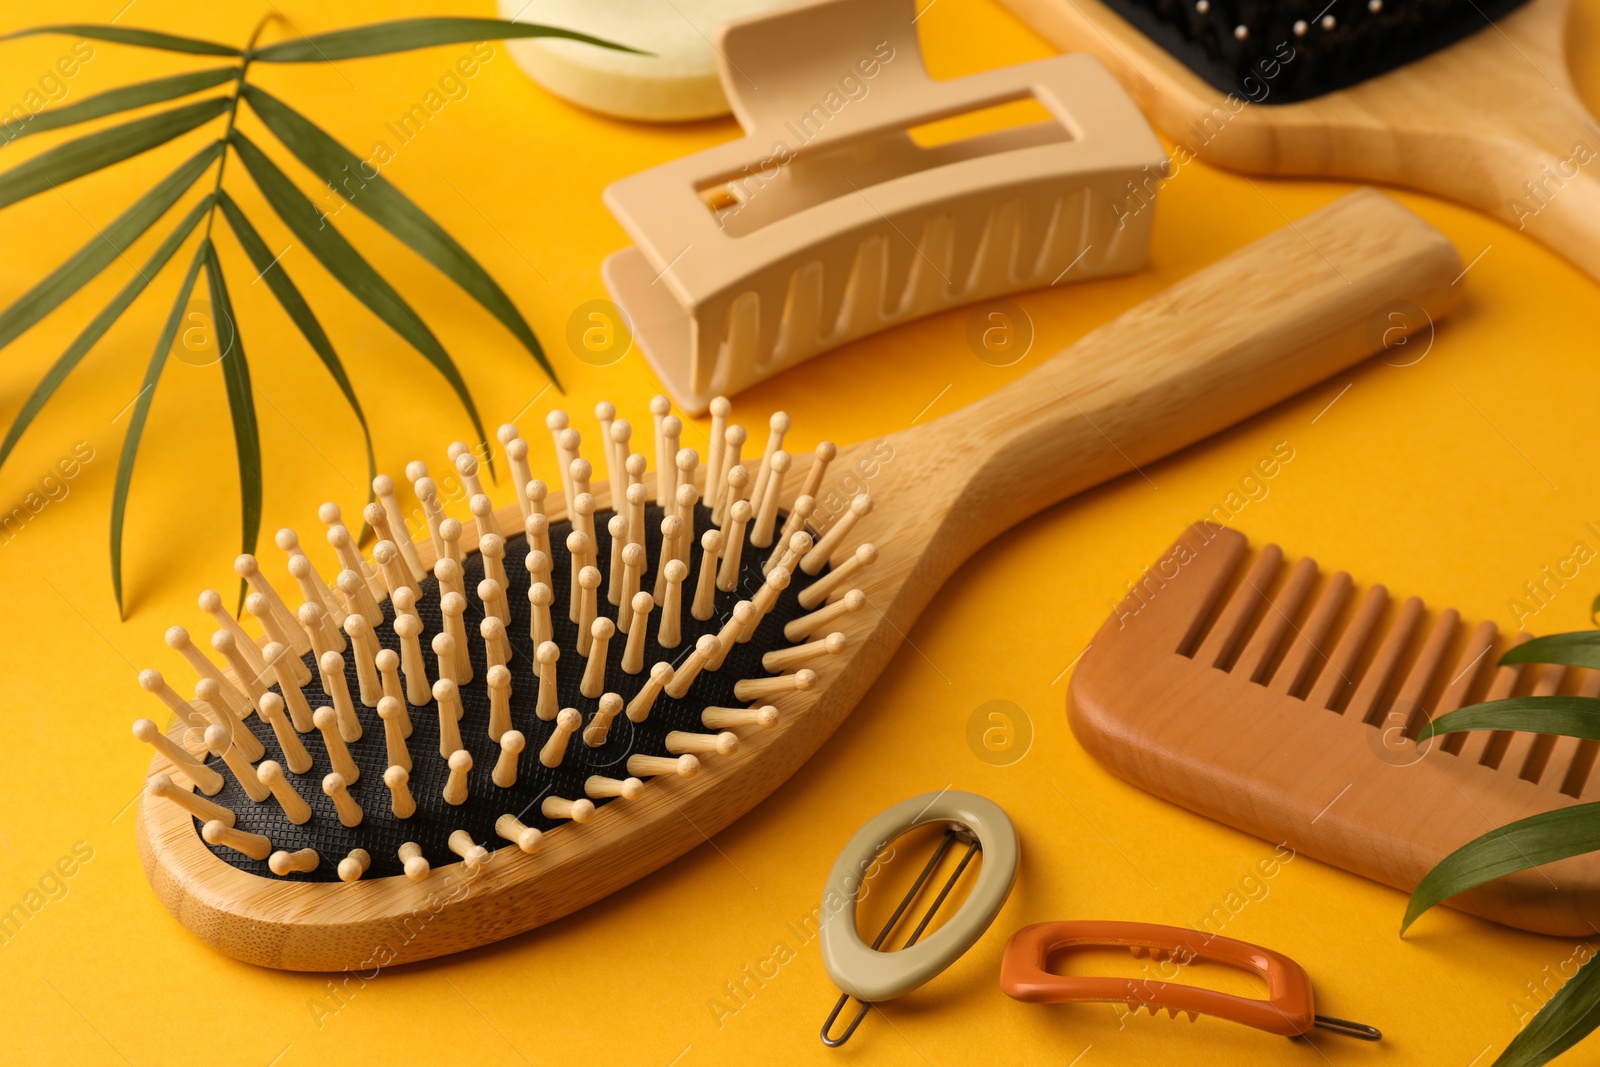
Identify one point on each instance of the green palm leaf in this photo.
(241, 406)
(93, 257)
(394, 211)
(1538, 839)
(1581, 649)
(1566, 1018)
(102, 148)
(353, 272)
(109, 103)
(141, 38)
(136, 419)
(1567, 716)
(300, 313)
(403, 35)
(99, 325)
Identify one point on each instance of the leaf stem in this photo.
(233, 114)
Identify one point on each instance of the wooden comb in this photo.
(1286, 703)
(828, 222)
(1492, 121)
(1258, 326)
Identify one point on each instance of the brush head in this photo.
(1286, 51)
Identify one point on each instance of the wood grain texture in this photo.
(1471, 123)
(1259, 326)
(1302, 733)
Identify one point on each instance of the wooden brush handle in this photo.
(1260, 325)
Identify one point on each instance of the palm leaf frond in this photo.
(1565, 716)
(386, 205)
(241, 405)
(1580, 649)
(166, 42)
(1566, 1018)
(109, 103)
(404, 35)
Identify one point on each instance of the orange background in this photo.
(1456, 479)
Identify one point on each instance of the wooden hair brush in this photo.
(1468, 101)
(478, 840)
(1287, 703)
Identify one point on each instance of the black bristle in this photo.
(381, 834)
(1271, 64)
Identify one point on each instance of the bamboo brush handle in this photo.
(1259, 326)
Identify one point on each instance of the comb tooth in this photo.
(1463, 675)
(1479, 743)
(1336, 676)
(1224, 636)
(1364, 702)
(1280, 614)
(1408, 705)
(1580, 755)
(1307, 643)
(1526, 754)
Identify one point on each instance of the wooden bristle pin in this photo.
(577, 559)
(536, 492)
(393, 714)
(401, 802)
(448, 573)
(632, 570)
(294, 806)
(765, 528)
(496, 649)
(344, 546)
(493, 597)
(258, 605)
(222, 643)
(827, 615)
(840, 577)
(455, 788)
(633, 652)
(799, 544)
(660, 408)
(498, 679)
(688, 496)
(818, 557)
(472, 854)
(617, 527)
(415, 864)
(313, 586)
(364, 650)
(777, 581)
(209, 692)
(256, 846)
(286, 733)
(582, 510)
(400, 531)
(636, 495)
(780, 660)
(765, 716)
(450, 534)
(279, 659)
(482, 509)
(753, 689)
(353, 866)
(327, 723)
(418, 690)
(778, 426)
(512, 742)
(605, 413)
(540, 628)
(303, 861)
(358, 599)
(555, 748)
(579, 811)
(246, 567)
(432, 512)
(598, 786)
(334, 684)
(467, 467)
(671, 632)
(405, 602)
(161, 785)
(683, 742)
(220, 742)
(388, 663)
(641, 766)
(787, 541)
(537, 562)
(725, 490)
(567, 442)
(667, 461)
(645, 699)
(513, 829)
(622, 446)
(396, 576)
(152, 682)
(205, 779)
(704, 650)
(738, 516)
(211, 604)
(593, 682)
(337, 787)
(448, 698)
(826, 451)
(445, 660)
(521, 473)
(319, 629)
(588, 605)
(738, 619)
(233, 700)
(719, 408)
(546, 656)
(594, 735)
(705, 592)
(458, 665)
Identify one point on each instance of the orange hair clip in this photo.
(1287, 1011)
